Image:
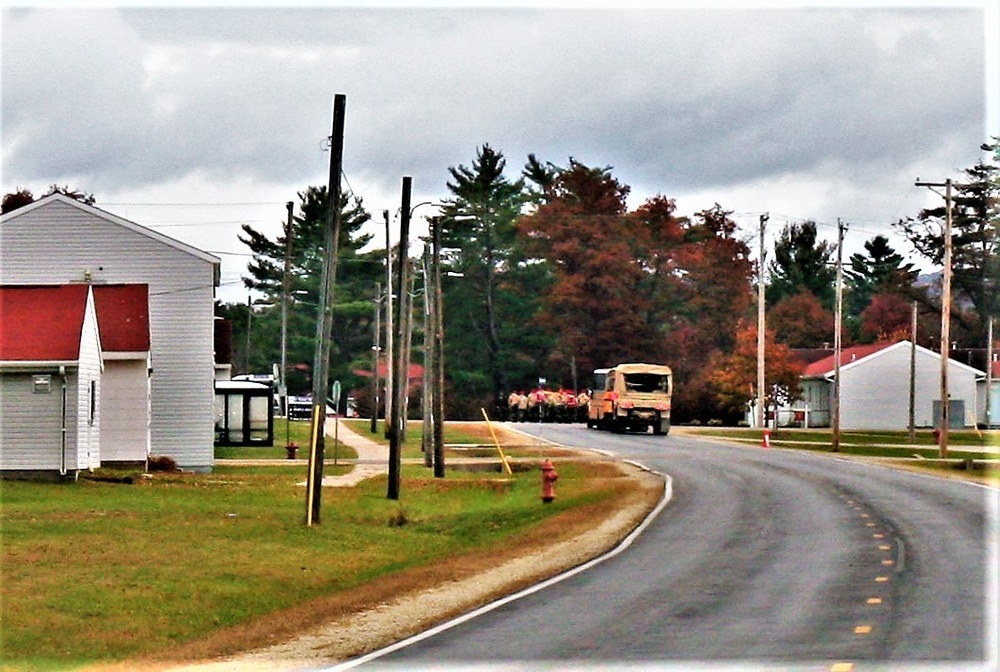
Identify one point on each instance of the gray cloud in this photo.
(677, 100)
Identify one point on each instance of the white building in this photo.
(50, 381)
(989, 393)
(58, 240)
(875, 389)
(123, 322)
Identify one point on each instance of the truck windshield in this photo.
(646, 382)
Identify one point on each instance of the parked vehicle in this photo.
(631, 397)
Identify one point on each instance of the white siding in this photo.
(62, 241)
(88, 406)
(31, 425)
(991, 397)
(875, 391)
(125, 411)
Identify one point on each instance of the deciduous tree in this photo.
(592, 307)
(735, 375)
(887, 314)
(800, 321)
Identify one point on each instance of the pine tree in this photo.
(975, 241)
(882, 270)
(483, 311)
(800, 262)
(356, 277)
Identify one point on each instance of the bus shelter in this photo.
(244, 413)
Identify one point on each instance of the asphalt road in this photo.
(764, 559)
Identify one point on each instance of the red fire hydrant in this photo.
(549, 477)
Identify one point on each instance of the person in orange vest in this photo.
(582, 400)
(512, 406)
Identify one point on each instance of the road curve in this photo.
(764, 558)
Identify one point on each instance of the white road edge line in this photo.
(668, 492)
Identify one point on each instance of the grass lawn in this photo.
(968, 446)
(96, 571)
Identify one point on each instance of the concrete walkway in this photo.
(373, 458)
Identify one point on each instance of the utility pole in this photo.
(913, 374)
(427, 393)
(406, 335)
(286, 279)
(389, 345)
(989, 372)
(945, 318)
(837, 322)
(246, 356)
(760, 326)
(399, 363)
(324, 322)
(438, 347)
(376, 353)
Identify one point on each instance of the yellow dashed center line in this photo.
(887, 562)
(874, 600)
(842, 667)
(878, 536)
(885, 547)
(881, 579)
(862, 630)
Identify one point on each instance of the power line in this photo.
(193, 204)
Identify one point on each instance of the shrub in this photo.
(161, 463)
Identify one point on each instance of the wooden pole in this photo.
(761, 330)
(838, 319)
(400, 364)
(324, 323)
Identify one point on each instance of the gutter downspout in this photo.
(62, 462)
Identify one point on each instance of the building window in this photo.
(93, 401)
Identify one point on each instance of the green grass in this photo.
(285, 431)
(958, 438)
(467, 432)
(97, 571)
(886, 444)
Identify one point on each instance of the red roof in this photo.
(42, 323)
(123, 317)
(847, 355)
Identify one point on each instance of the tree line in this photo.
(550, 275)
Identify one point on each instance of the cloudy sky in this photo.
(193, 119)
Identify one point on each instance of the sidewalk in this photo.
(373, 459)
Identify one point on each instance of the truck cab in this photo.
(631, 397)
